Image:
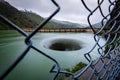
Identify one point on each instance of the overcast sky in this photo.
(71, 10)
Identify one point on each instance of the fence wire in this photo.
(106, 67)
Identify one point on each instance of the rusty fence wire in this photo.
(106, 67)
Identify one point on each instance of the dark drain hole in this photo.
(64, 45)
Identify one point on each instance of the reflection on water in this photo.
(35, 66)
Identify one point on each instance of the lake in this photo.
(35, 66)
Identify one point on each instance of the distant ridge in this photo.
(76, 25)
(29, 19)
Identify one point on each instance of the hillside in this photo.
(52, 23)
(29, 19)
(14, 15)
(70, 24)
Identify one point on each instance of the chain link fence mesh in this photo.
(106, 67)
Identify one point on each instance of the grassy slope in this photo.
(16, 16)
(24, 19)
(38, 19)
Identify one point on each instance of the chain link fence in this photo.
(106, 67)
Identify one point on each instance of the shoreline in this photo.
(61, 30)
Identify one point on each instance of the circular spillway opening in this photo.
(63, 44)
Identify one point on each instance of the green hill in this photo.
(27, 19)
(33, 16)
(15, 16)
(38, 19)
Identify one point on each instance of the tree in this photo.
(114, 16)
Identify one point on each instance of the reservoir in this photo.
(67, 48)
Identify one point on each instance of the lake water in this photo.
(35, 66)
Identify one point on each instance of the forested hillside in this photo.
(28, 19)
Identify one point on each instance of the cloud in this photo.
(71, 10)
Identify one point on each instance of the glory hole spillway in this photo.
(67, 48)
(62, 44)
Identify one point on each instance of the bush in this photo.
(76, 68)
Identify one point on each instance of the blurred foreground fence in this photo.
(106, 67)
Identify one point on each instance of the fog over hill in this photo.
(29, 19)
(70, 23)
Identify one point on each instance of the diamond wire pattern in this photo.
(106, 67)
